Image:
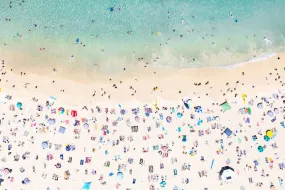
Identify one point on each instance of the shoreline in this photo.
(257, 59)
(44, 62)
(172, 83)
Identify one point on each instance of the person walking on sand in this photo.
(280, 181)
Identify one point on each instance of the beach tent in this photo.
(225, 106)
(228, 132)
(226, 174)
(86, 186)
(62, 130)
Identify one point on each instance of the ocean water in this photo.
(110, 35)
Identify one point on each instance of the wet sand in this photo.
(138, 84)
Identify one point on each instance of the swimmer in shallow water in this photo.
(267, 41)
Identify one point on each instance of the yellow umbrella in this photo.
(243, 97)
(269, 133)
(155, 104)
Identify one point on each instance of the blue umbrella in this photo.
(123, 112)
(19, 105)
(270, 113)
(260, 149)
(179, 115)
(120, 175)
(44, 144)
(162, 184)
(276, 110)
(259, 105)
(67, 148)
(266, 138)
(86, 125)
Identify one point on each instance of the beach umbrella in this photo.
(123, 112)
(61, 110)
(168, 119)
(266, 138)
(260, 149)
(243, 96)
(137, 119)
(162, 184)
(164, 148)
(44, 144)
(6, 171)
(276, 110)
(67, 148)
(270, 113)
(19, 105)
(260, 105)
(120, 175)
(269, 133)
(86, 125)
(179, 115)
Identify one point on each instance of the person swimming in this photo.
(267, 41)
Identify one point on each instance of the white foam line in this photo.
(265, 57)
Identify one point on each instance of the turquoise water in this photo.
(195, 33)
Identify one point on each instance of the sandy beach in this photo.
(66, 135)
(142, 95)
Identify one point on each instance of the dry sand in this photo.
(135, 89)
